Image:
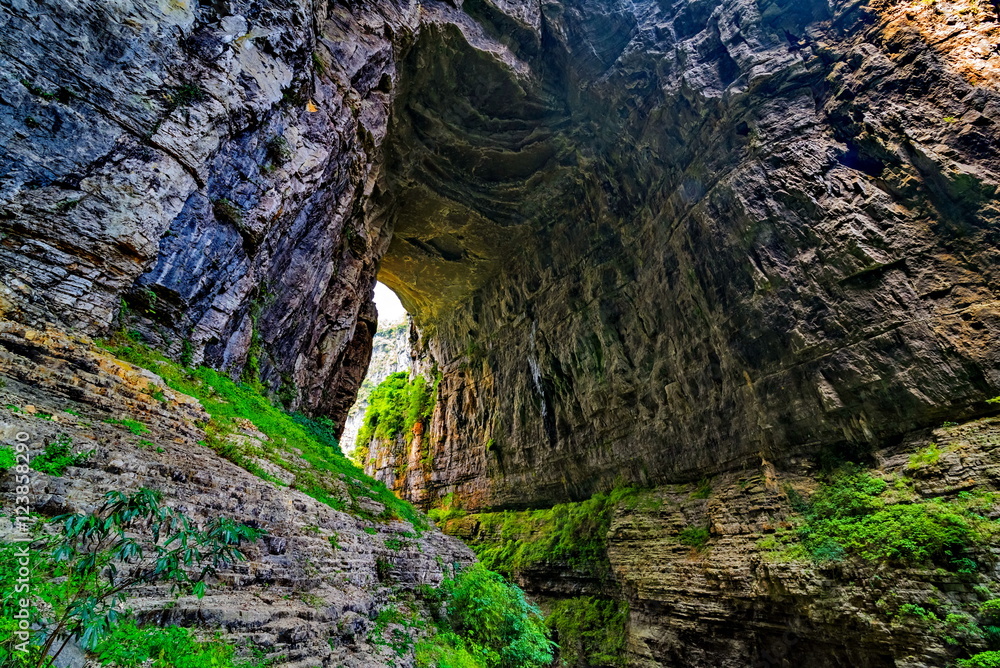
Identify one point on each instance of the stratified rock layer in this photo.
(308, 593)
(740, 599)
(642, 240)
(763, 230)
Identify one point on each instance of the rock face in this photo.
(390, 353)
(734, 600)
(307, 595)
(761, 230)
(641, 241)
(189, 161)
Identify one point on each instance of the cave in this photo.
(702, 356)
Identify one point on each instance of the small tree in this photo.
(484, 622)
(84, 573)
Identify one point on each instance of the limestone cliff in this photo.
(643, 243)
(309, 593)
(707, 578)
(762, 230)
(706, 231)
(390, 354)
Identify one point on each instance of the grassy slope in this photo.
(306, 448)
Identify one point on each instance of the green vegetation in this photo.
(704, 489)
(227, 211)
(325, 473)
(396, 406)
(572, 533)
(590, 631)
(155, 392)
(918, 611)
(83, 574)
(186, 357)
(131, 646)
(279, 151)
(960, 628)
(397, 544)
(990, 609)
(137, 428)
(450, 507)
(66, 205)
(38, 91)
(857, 514)
(981, 660)
(185, 95)
(926, 457)
(483, 621)
(57, 457)
(696, 537)
(8, 458)
(393, 629)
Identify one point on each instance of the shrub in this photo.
(131, 646)
(444, 650)
(925, 457)
(384, 416)
(279, 151)
(57, 457)
(84, 573)
(490, 619)
(961, 629)
(981, 660)
(590, 631)
(852, 515)
(450, 508)
(990, 609)
(918, 611)
(185, 95)
(704, 489)
(696, 537)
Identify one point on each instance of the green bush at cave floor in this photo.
(484, 621)
(590, 631)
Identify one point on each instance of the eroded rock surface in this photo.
(308, 593)
(764, 229)
(697, 232)
(741, 600)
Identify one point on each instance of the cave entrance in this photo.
(390, 354)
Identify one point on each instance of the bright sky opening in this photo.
(389, 308)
